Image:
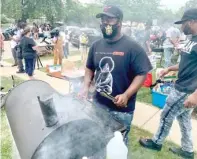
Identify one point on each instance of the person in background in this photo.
(58, 48)
(171, 42)
(147, 40)
(182, 98)
(83, 46)
(48, 27)
(35, 31)
(13, 43)
(66, 44)
(1, 46)
(20, 27)
(28, 47)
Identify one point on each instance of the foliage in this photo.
(5, 19)
(72, 11)
(132, 11)
(189, 4)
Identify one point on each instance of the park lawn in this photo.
(138, 152)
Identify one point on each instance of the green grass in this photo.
(138, 152)
(5, 133)
(43, 69)
(6, 82)
(6, 139)
(144, 95)
(46, 57)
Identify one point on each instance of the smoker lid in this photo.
(74, 140)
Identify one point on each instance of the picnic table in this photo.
(75, 79)
(74, 76)
(44, 48)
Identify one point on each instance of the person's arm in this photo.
(135, 85)
(174, 42)
(32, 44)
(148, 46)
(174, 68)
(2, 36)
(14, 38)
(89, 74)
(167, 70)
(147, 37)
(121, 100)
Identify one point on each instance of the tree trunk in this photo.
(24, 16)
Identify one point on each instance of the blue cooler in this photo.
(158, 99)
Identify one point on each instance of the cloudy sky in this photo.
(171, 4)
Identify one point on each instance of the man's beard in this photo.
(187, 30)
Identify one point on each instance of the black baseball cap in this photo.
(190, 14)
(111, 11)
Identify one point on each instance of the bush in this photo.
(5, 19)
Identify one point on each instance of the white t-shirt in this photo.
(12, 42)
(65, 37)
(173, 34)
(17, 36)
(40, 30)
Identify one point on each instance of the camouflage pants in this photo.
(174, 108)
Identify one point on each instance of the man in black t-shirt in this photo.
(182, 99)
(119, 67)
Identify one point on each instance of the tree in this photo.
(137, 10)
(189, 4)
(11, 8)
(24, 9)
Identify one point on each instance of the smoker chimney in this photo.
(48, 111)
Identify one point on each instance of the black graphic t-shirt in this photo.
(115, 65)
(187, 76)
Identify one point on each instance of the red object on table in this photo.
(149, 80)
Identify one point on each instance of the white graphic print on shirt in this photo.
(104, 81)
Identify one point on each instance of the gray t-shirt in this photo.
(187, 76)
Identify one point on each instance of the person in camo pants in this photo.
(181, 100)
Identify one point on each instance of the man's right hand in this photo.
(163, 72)
(83, 94)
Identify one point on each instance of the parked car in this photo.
(7, 33)
(71, 29)
(91, 33)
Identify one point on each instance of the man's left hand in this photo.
(121, 100)
(191, 101)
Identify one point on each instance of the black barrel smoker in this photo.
(48, 125)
